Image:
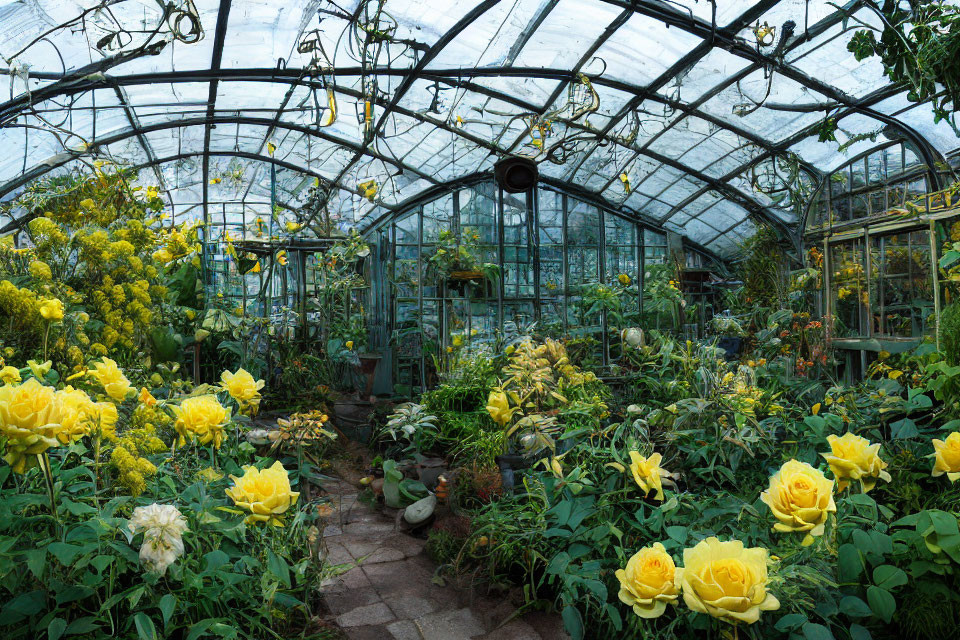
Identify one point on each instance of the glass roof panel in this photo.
(626, 59)
(424, 92)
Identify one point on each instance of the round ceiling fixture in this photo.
(516, 174)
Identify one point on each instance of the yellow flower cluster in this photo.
(264, 493)
(41, 271)
(21, 306)
(723, 579)
(128, 458)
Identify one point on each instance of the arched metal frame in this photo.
(94, 77)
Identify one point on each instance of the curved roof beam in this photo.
(64, 158)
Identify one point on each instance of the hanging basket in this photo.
(466, 275)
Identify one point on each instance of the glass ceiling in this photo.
(679, 113)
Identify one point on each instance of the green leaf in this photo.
(889, 577)
(814, 631)
(572, 622)
(850, 563)
(881, 602)
(859, 633)
(27, 604)
(677, 533)
(64, 552)
(82, 625)
(198, 629)
(167, 604)
(56, 628)
(36, 561)
(76, 508)
(279, 568)
(214, 560)
(855, 607)
(790, 621)
(145, 628)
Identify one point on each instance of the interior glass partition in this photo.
(555, 253)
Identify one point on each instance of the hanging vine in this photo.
(919, 46)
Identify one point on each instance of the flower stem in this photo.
(46, 334)
(96, 469)
(44, 460)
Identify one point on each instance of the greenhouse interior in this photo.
(490, 319)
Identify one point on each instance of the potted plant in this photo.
(456, 260)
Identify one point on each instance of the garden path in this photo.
(388, 593)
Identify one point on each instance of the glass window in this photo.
(848, 287)
(901, 298)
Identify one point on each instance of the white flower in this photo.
(163, 526)
(159, 552)
(158, 519)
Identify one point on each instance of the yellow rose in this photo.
(9, 375)
(349, 344)
(498, 406)
(726, 581)
(76, 414)
(51, 310)
(29, 420)
(265, 494)
(647, 583)
(201, 418)
(111, 378)
(648, 474)
(457, 341)
(243, 388)
(946, 454)
(801, 499)
(854, 458)
(624, 279)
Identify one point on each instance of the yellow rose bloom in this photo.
(76, 414)
(349, 344)
(854, 458)
(29, 420)
(498, 406)
(9, 375)
(946, 454)
(624, 279)
(648, 474)
(265, 494)
(801, 499)
(457, 341)
(243, 388)
(647, 583)
(726, 581)
(201, 418)
(111, 378)
(52, 310)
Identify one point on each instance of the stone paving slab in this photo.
(387, 593)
